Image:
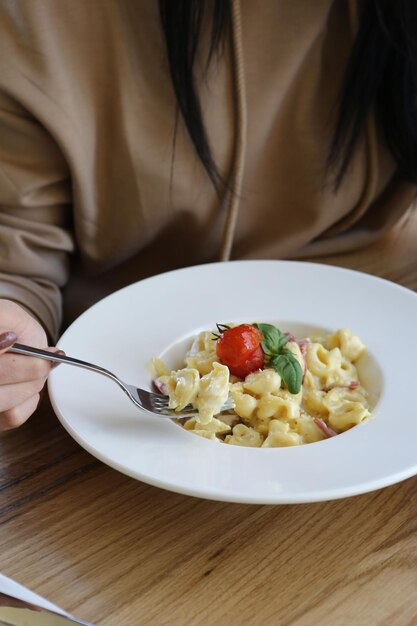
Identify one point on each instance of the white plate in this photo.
(125, 330)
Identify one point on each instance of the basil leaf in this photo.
(273, 339)
(289, 369)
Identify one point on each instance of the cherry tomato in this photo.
(240, 349)
(254, 362)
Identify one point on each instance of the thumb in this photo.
(56, 351)
(7, 339)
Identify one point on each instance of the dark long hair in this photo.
(381, 74)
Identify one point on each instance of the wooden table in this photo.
(120, 553)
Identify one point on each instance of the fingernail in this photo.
(62, 353)
(7, 339)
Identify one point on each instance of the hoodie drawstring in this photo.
(239, 149)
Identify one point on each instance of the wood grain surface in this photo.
(121, 553)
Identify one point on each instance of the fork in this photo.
(154, 403)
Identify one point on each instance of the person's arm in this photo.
(35, 240)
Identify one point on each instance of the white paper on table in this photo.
(12, 588)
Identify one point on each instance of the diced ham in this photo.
(354, 385)
(158, 386)
(302, 344)
(329, 432)
(351, 386)
(289, 336)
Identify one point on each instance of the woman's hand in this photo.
(21, 377)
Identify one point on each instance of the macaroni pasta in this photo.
(331, 399)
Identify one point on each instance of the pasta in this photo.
(329, 401)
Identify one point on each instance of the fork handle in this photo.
(19, 348)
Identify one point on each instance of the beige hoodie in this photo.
(89, 187)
